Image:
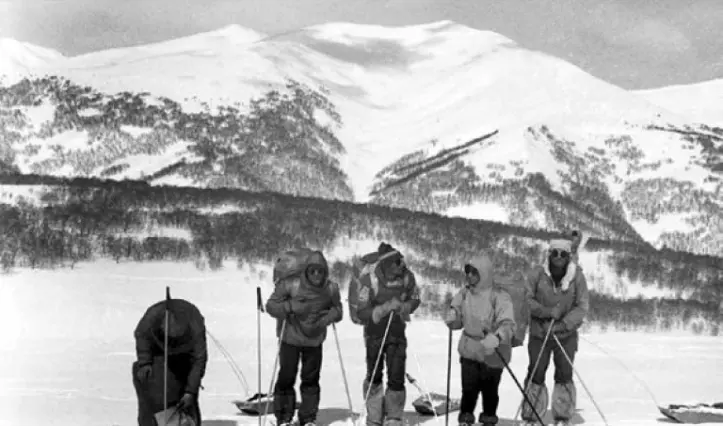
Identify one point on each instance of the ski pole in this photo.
(645, 386)
(580, 379)
(519, 386)
(259, 309)
(376, 364)
(273, 372)
(343, 370)
(534, 370)
(165, 359)
(449, 377)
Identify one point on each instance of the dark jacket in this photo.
(375, 290)
(322, 306)
(190, 347)
(542, 295)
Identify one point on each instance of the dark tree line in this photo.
(86, 219)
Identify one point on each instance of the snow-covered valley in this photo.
(68, 348)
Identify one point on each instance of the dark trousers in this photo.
(284, 393)
(150, 393)
(563, 369)
(479, 378)
(394, 354)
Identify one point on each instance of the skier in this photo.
(308, 303)
(387, 296)
(558, 297)
(486, 315)
(187, 358)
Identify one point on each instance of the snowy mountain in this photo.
(396, 124)
(702, 102)
(18, 59)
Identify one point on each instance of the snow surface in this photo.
(481, 211)
(702, 102)
(68, 347)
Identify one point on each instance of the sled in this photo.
(432, 403)
(694, 413)
(256, 405)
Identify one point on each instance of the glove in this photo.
(395, 305)
(186, 402)
(324, 320)
(559, 327)
(383, 310)
(489, 343)
(143, 373)
(451, 316)
(556, 312)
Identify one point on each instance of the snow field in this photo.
(68, 349)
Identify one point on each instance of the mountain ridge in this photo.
(424, 87)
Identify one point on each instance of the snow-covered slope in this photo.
(600, 149)
(702, 102)
(18, 59)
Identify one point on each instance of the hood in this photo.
(317, 259)
(483, 264)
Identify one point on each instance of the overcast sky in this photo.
(631, 43)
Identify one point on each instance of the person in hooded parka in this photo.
(558, 297)
(187, 359)
(309, 303)
(485, 313)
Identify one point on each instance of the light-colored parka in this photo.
(485, 308)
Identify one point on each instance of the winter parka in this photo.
(542, 296)
(191, 345)
(482, 311)
(322, 306)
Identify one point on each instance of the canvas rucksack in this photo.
(515, 287)
(290, 264)
(366, 263)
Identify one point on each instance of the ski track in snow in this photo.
(67, 353)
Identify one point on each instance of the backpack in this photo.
(515, 287)
(359, 265)
(367, 264)
(290, 263)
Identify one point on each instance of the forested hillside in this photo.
(70, 221)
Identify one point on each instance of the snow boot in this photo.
(488, 420)
(563, 401)
(465, 419)
(539, 396)
(394, 401)
(375, 404)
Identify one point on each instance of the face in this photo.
(395, 268)
(316, 274)
(472, 276)
(559, 257)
